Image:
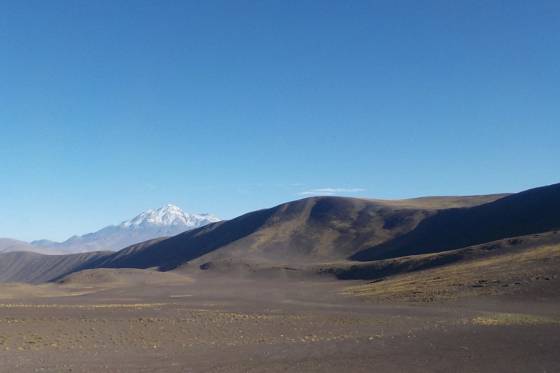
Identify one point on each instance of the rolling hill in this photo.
(310, 230)
(37, 268)
(322, 234)
(10, 245)
(307, 231)
(532, 211)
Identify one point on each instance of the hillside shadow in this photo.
(533, 211)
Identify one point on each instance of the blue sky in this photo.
(108, 108)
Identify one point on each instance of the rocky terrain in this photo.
(126, 321)
(320, 284)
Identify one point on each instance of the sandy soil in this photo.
(212, 324)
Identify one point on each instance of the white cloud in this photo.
(330, 191)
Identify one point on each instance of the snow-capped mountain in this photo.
(169, 216)
(166, 221)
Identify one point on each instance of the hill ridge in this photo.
(305, 233)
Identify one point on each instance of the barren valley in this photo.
(219, 324)
(465, 284)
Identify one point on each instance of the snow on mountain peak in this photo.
(166, 221)
(169, 215)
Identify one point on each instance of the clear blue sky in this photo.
(108, 108)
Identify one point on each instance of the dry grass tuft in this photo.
(503, 274)
(505, 319)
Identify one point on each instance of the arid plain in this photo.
(123, 321)
(462, 284)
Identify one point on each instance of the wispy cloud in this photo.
(330, 191)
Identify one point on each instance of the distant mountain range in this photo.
(166, 221)
(10, 245)
(348, 237)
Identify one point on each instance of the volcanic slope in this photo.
(32, 267)
(303, 232)
(532, 211)
(318, 231)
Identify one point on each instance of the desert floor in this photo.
(214, 324)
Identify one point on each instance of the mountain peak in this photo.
(168, 220)
(170, 207)
(169, 215)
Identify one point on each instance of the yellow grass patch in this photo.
(483, 276)
(499, 319)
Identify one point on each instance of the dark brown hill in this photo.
(302, 233)
(532, 211)
(310, 230)
(23, 266)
